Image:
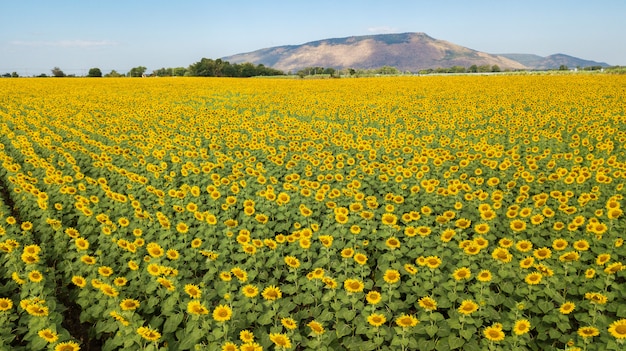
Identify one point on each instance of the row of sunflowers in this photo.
(430, 213)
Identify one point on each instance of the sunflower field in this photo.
(404, 213)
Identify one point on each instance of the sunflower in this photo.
(602, 259)
(392, 243)
(105, 271)
(81, 244)
(447, 235)
(494, 333)
(250, 291)
(67, 346)
(230, 346)
(154, 269)
(505, 243)
(463, 223)
(148, 333)
(406, 321)
(617, 329)
(389, 219)
(35, 276)
(462, 273)
(524, 246)
(182, 228)
(484, 276)
(521, 327)
(614, 267)
(221, 313)
(79, 281)
(329, 282)
(431, 261)
(347, 253)
(289, 323)
(5, 304)
(316, 327)
(129, 305)
(567, 307)
(391, 276)
(48, 335)
(581, 245)
(353, 285)
(240, 274)
(172, 254)
(373, 297)
(559, 244)
(195, 243)
(37, 310)
(481, 228)
(569, 256)
(360, 258)
(292, 262)
(376, 319)
(108, 290)
(280, 340)
(409, 268)
(252, 346)
(517, 225)
(272, 293)
(428, 303)
(468, 307)
(588, 332)
(542, 253)
(533, 278)
(501, 254)
(155, 250)
(596, 298)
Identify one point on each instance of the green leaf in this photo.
(346, 314)
(343, 329)
(431, 330)
(326, 315)
(545, 306)
(172, 322)
(422, 344)
(466, 333)
(455, 342)
(265, 318)
(507, 287)
(621, 311)
(169, 304)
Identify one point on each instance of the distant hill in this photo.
(405, 51)
(552, 61)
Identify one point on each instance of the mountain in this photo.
(552, 61)
(405, 51)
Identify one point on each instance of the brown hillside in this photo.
(406, 51)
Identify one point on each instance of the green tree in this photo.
(137, 71)
(114, 74)
(94, 72)
(495, 68)
(563, 68)
(14, 75)
(57, 72)
(179, 71)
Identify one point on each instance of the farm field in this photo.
(405, 213)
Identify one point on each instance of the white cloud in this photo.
(382, 30)
(65, 43)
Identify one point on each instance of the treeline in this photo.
(336, 73)
(219, 68)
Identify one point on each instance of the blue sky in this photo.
(37, 35)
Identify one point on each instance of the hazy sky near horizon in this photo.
(37, 35)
